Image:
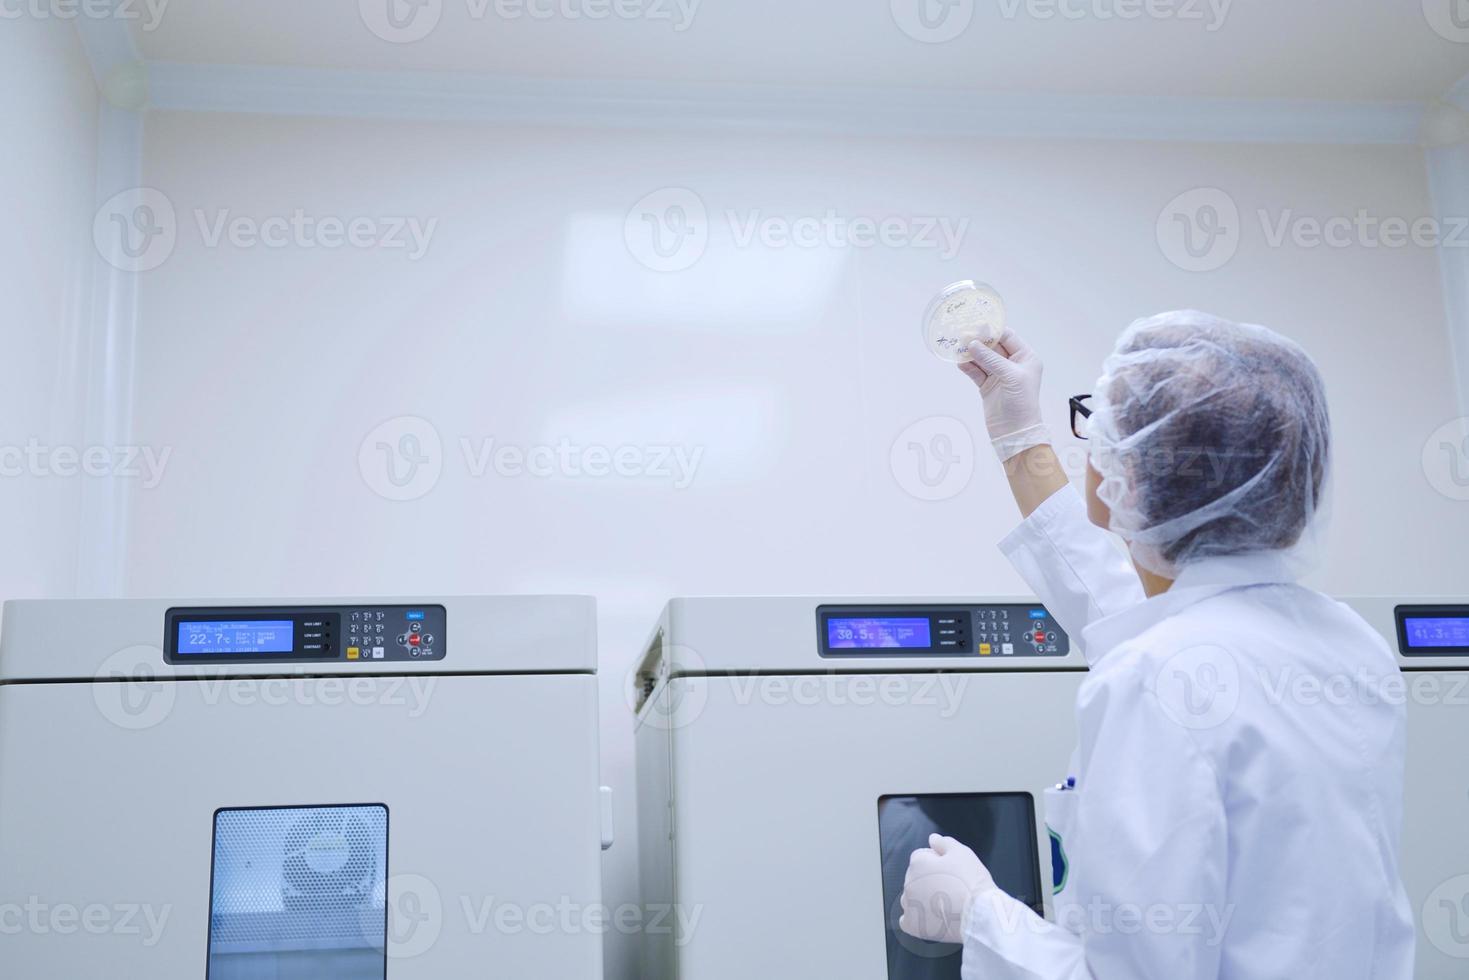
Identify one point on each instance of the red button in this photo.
(413, 640)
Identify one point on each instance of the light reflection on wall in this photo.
(727, 284)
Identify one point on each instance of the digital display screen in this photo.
(870, 634)
(1427, 633)
(236, 636)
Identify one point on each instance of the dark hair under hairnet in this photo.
(1212, 439)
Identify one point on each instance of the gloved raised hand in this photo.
(1009, 381)
(943, 881)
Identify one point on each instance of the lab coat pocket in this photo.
(1060, 820)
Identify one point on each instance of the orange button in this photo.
(353, 653)
(984, 649)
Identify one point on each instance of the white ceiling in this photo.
(1309, 49)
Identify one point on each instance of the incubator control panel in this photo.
(1000, 630)
(364, 634)
(1432, 631)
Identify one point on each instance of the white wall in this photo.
(49, 103)
(793, 370)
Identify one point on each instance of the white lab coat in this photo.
(1239, 779)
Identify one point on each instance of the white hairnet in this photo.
(1212, 439)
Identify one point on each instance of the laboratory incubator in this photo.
(1431, 639)
(334, 789)
(793, 752)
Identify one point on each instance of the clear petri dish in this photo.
(964, 312)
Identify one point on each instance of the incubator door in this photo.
(340, 828)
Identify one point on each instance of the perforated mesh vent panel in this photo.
(297, 879)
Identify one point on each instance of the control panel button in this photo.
(353, 653)
(413, 639)
(428, 639)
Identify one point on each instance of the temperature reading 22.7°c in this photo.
(248, 636)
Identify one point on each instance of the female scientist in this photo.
(1218, 820)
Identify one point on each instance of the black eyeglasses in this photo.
(1080, 412)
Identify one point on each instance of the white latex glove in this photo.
(943, 881)
(1009, 380)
